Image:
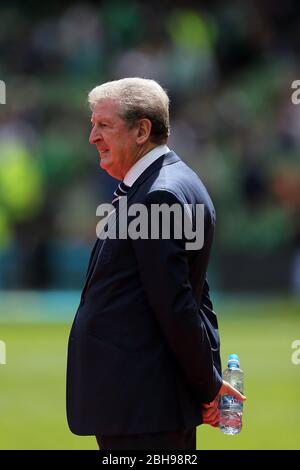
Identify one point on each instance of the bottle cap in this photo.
(233, 361)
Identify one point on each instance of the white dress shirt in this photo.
(141, 165)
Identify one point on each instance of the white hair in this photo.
(138, 98)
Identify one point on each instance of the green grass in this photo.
(32, 383)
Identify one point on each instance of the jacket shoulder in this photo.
(182, 181)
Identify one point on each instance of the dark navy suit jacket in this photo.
(143, 350)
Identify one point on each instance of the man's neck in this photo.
(140, 154)
(143, 162)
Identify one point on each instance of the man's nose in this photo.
(95, 135)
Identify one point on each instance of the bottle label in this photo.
(227, 401)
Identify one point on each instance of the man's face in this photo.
(115, 143)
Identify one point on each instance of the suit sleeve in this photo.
(164, 273)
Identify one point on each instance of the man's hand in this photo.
(210, 413)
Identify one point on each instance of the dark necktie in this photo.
(120, 191)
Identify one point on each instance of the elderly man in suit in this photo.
(144, 365)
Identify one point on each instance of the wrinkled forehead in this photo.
(106, 109)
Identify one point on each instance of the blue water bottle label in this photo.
(229, 401)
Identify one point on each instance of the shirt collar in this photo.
(142, 164)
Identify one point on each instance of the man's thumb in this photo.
(227, 389)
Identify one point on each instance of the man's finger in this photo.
(212, 404)
(214, 422)
(211, 414)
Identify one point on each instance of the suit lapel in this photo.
(166, 159)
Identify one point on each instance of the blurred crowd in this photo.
(228, 67)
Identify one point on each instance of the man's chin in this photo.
(104, 164)
(107, 166)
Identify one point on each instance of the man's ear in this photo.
(144, 131)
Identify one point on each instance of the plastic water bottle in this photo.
(231, 409)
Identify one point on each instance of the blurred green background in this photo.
(261, 331)
(228, 67)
